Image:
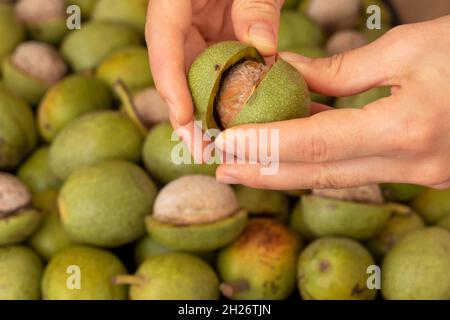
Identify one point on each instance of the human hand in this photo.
(177, 31)
(401, 138)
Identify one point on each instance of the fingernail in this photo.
(226, 179)
(262, 34)
(293, 57)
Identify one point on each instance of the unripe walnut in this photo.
(39, 60)
(195, 199)
(334, 14)
(345, 40)
(14, 195)
(236, 88)
(368, 194)
(150, 107)
(32, 11)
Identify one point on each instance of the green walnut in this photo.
(334, 268)
(157, 156)
(290, 4)
(86, 48)
(92, 138)
(297, 30)
(416, 268)
(231, 85)
(263, 203)
(147, 247)
(261, 263)
(298, 224)
(86, 6)
(148, 106)
(12, 31)
(172, 276)
(18, 219)
(362, 99)
(130, 65)
(83, 273)
(312, 52)
(131, 12)
(432, 204)
(105, 204)
(196, 213)
(345, 40)
(50, 238)
(18, 132)
(444, 222)
(45, 19)
(67, 100)
(36, 174)
(20, 273)
(397, 227)
(358, 213)
(31, 69)
(401, 192)
(333, 15)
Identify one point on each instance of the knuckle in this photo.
(327, 178)
(259, 7)
(419, 135)
(316, 150)
(335, 65)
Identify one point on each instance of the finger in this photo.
(195, 141)
(288, 176)
(256, 22)
(352, 72)
(168, 25)
(332, 135)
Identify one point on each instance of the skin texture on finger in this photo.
(326, 136)
(257, 22)
(165, 35)
(342, 174)
(351, 72)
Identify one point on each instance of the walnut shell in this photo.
(368, 194)
(150, 107)
(32, 11)
(236, 88)
(334, 14)
(14, 195)
(39, 60)
(345, 40)
(195, 199)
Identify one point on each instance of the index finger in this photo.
(333, 135)
(168, 24)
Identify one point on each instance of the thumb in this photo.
(256, 22)
(347, 73)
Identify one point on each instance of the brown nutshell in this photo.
(14, 195)
(366, 194)
(195, 199)
(236, 88)
(39, 60)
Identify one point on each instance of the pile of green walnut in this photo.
(87, 180)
